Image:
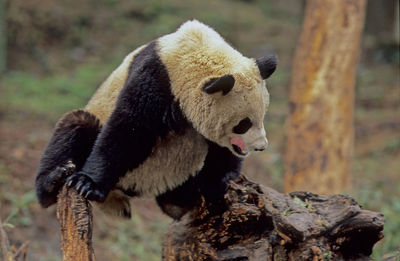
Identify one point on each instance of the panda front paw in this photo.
(57, 177)
(86, 187)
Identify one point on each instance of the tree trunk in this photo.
(381, 20)
(3, 37)
(260, 223)
(319, 144)
(76, 220)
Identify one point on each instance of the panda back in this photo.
(103, 101)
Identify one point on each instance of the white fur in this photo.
(103, 101)
(171, 163)
(193, 55)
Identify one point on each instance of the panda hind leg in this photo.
(66, 152)
(180, 200)
(117, 204)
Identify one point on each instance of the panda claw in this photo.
(79, 185)
(70, 183)
(84, 190)
(85, 187)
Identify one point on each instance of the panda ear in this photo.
(267, 65)
(224, 84)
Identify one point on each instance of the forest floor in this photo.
(24, 136)
(46, 81)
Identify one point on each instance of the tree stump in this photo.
(260, 223)
(76, 220)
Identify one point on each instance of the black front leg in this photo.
(124, 142)
(142, 115)
(220, 166)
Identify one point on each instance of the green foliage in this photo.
(51, 95)
(3, 40)
(20, 208)
(305, 204)
(273, 165)
(299, 202)
(3, 175)
(280, 78)
(135, 238)
(374, 198)
(59, 41)
(327, 256)
(279, 11)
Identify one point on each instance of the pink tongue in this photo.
(238, 142)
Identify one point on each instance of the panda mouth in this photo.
(238, 150)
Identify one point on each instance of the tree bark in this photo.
(260, 223)
(76, 220)
(3, 37)
(381, 20)
(319, 144)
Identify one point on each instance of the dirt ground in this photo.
(60, 53)
(24, 136)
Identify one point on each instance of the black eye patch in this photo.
(243, 126)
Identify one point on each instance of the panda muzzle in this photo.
(238, 145)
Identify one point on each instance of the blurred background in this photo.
(54, 54)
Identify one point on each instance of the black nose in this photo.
(260, 149)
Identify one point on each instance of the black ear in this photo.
(267, 65)
(224, 84)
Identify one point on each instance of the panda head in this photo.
(221, 92)
(237, 105)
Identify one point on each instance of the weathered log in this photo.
(260, 223)
(76, 220)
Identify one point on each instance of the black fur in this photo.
(222, 84)
(70, 145)
(220, 166)
(267, 65)
(145, 111)
(243, 126)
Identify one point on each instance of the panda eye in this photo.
(243, 126)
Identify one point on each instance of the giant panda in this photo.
(174, 121)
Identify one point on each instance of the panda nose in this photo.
(262, 145)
